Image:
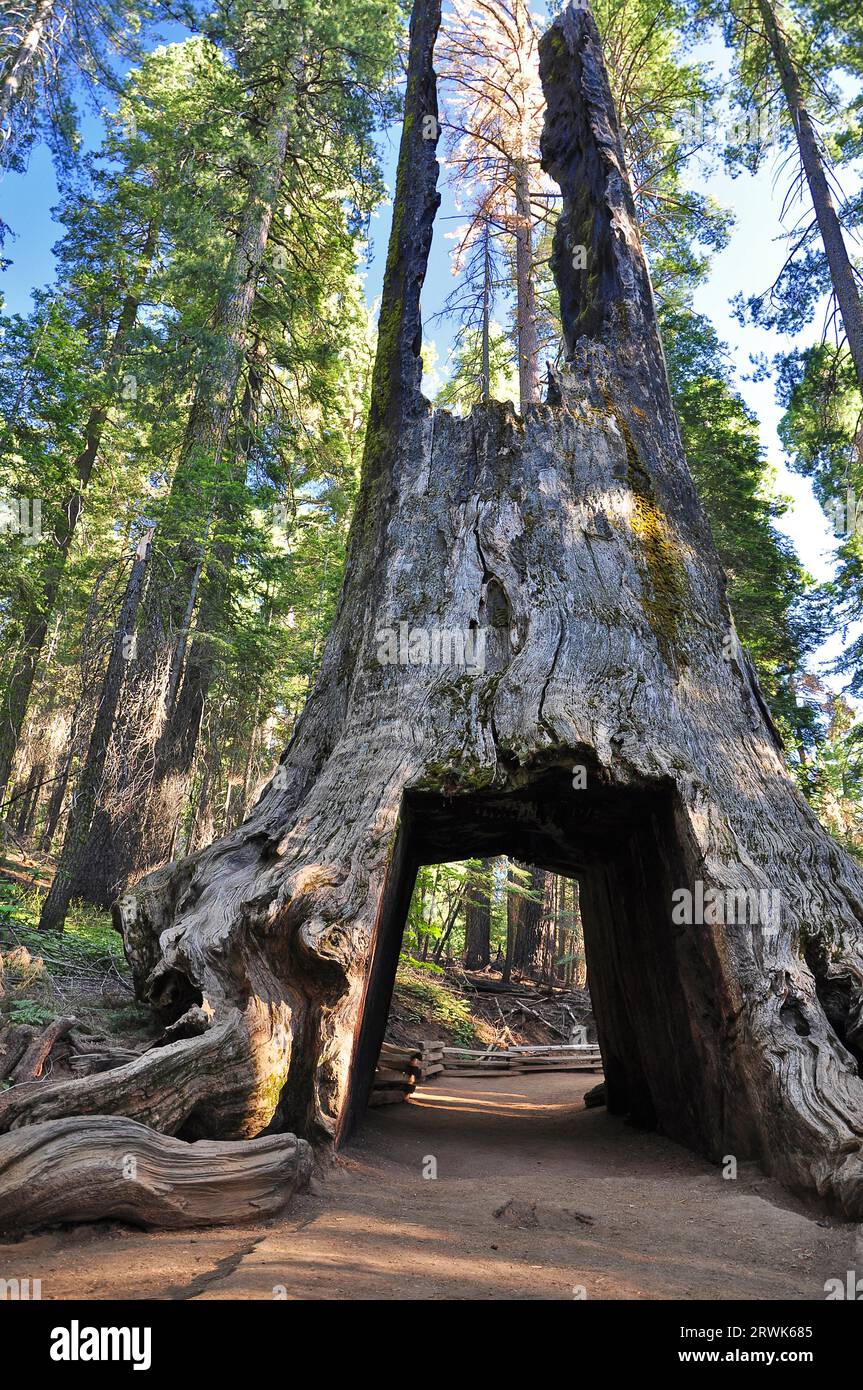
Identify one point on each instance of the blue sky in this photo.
(748, 265)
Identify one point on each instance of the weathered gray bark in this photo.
(528, 347)
(579, 522)
(154, 1089)
(99, 1167)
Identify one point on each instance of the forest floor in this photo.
(535, 1198)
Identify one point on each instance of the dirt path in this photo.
(534, 1197)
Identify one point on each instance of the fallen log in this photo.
(15, 1044)
(386, 1076)
(39, 1050)
(532, 1013)
(89, 1168)
(90, 1063)
(162, 1088)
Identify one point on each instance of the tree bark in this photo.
(486, 315)
(527, 949)
(31, 1064)
(446, 932)
(196, 669)
(99, 1168)
(841, 270)
(738, 1035)
(513, 904)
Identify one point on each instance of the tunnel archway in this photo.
(651, 986)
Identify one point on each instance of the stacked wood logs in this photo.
(401, 1069)
(396, 1074)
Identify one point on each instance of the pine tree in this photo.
(487, 55)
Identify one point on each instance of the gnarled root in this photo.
(169, 1088)
(88, 1168)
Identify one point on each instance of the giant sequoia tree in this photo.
(600, 721)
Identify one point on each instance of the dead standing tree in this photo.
(572, 538)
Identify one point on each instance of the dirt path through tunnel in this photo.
(535, 1198)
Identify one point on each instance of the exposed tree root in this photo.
(89, 1168)
(164, 1088)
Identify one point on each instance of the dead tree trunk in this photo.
(528, 350)
(737, 1030)
(842, 273)
(18, 74)
(97, 1168)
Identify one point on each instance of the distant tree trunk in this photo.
(527, 953)
(203, 827)
(452, 916)
(513, 903)
(841, 270)
(38, 619)
(486, 313)
(55, 803)
(23, 63)
(548, 932)
(560, 907)
(30, 799)
(477, 922)
(528, 350)
(579, 972)
(250, 751)
(56, 903)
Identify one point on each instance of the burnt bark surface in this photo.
(579, 521)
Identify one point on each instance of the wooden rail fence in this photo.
(401, 1069)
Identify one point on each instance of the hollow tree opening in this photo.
(624, 846)
(577, 524)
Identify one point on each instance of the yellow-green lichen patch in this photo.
(664, 591)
